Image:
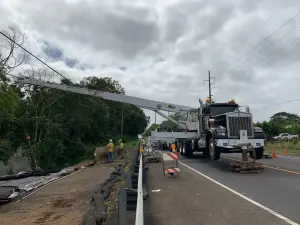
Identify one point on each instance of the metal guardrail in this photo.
(139, 218)
(132, 197)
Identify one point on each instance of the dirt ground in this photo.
(61, 203)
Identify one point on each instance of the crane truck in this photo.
(212, 128)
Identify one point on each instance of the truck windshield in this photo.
(217, 110)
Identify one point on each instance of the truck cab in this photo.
(222, 126)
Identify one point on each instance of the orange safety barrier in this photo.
(171, 169)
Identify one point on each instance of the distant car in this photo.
(285, 137)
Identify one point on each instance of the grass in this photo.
(292, 147)
(127, 169)
(130, 142)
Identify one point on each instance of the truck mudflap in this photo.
(235, 143)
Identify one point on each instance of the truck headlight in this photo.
(258, 130)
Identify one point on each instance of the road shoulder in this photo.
(63, 202)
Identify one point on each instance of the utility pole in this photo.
(209, 86)
(210, 78)
(122, 125)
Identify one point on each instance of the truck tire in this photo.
(186, 149)
(177, 146)
(180, 147)
(259, 153)
(194, 145)
(214, 151)
(189, 150)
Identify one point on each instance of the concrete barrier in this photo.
(20, 164)
(4, 170)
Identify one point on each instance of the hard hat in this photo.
(110, 140)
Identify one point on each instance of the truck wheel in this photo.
(183, 148)
(180, 147)
(194, 145)
(214, 151)
(259, 153)
(188, 149)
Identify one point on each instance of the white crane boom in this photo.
(140, 102)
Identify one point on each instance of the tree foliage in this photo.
(149, 129)
(11, 55)
(166, 125)
(284, 116)
(281, 122)
(62, 125)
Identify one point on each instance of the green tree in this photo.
(284, 116)
(64, 126)
(151, 128)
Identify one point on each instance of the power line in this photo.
(33, 55)
(279, 50)
(275, 104)
(265, 47)
(268, 57)
(260, 43)
(266, 21)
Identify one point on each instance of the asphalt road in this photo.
(196, 197)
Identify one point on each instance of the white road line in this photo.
(242, 196)
(26, 196)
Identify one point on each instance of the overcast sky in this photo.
(162, 50)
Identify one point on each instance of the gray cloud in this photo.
(163, 50)
(52, 52)
(126, 32)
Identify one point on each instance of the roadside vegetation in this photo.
(292, 147)
(55, 128)
(281, 122)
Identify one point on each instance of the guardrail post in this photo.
(139, 219)
(133, 196)
(122, 207)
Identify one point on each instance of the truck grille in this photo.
(235, 124)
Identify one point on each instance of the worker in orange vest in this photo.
(110, 150)
(173, 147)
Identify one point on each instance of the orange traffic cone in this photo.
(284, 151)
(274, 154)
